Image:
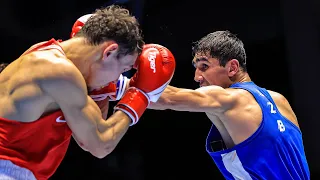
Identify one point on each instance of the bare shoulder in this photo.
(278, 98)
(281, 101)
(227, 98)
(241, 95)
(54, 74)
(284, 107)
(48, 65)
(40, 80)
(238, 95)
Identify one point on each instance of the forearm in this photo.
(92, 132)
(205, 99)
(110, 132)
(113, 129)
(167, 99)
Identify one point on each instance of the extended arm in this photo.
(204, 99)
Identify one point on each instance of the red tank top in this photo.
(38, 146)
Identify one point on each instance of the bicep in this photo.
(91, 131)
(82, 114)
(104, 107)
(94, 133)
(83, 122)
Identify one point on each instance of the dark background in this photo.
(282, 43)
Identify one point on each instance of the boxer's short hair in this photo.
(3, 66)
(116, 24)
(222, 45)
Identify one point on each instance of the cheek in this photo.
(111, 67)
(105, 74)
(215, 77)
(105, 77)
(211, 78)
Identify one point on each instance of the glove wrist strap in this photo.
(133, 103)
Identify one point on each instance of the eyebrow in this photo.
(200, 59)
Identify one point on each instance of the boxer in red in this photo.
(45, 93)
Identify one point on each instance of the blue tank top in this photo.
(274, 151)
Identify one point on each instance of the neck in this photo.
(242, 77)
(81, 54)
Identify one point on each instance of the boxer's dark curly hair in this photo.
(114, 23)
(3, 66)
(222, 45)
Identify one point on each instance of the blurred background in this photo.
(282, 43)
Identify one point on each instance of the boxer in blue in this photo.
(255, 133)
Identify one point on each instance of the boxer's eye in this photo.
(203, 67)
(200, 63)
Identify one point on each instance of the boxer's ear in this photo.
(233, 67)
(110, 49)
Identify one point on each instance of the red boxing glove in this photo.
(155, 68)
(79, 24)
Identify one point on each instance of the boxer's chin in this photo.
(203, 84)
(90, 88)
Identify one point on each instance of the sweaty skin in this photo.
(234, 112)
(42, 82)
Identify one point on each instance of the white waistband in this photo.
(10, 171)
